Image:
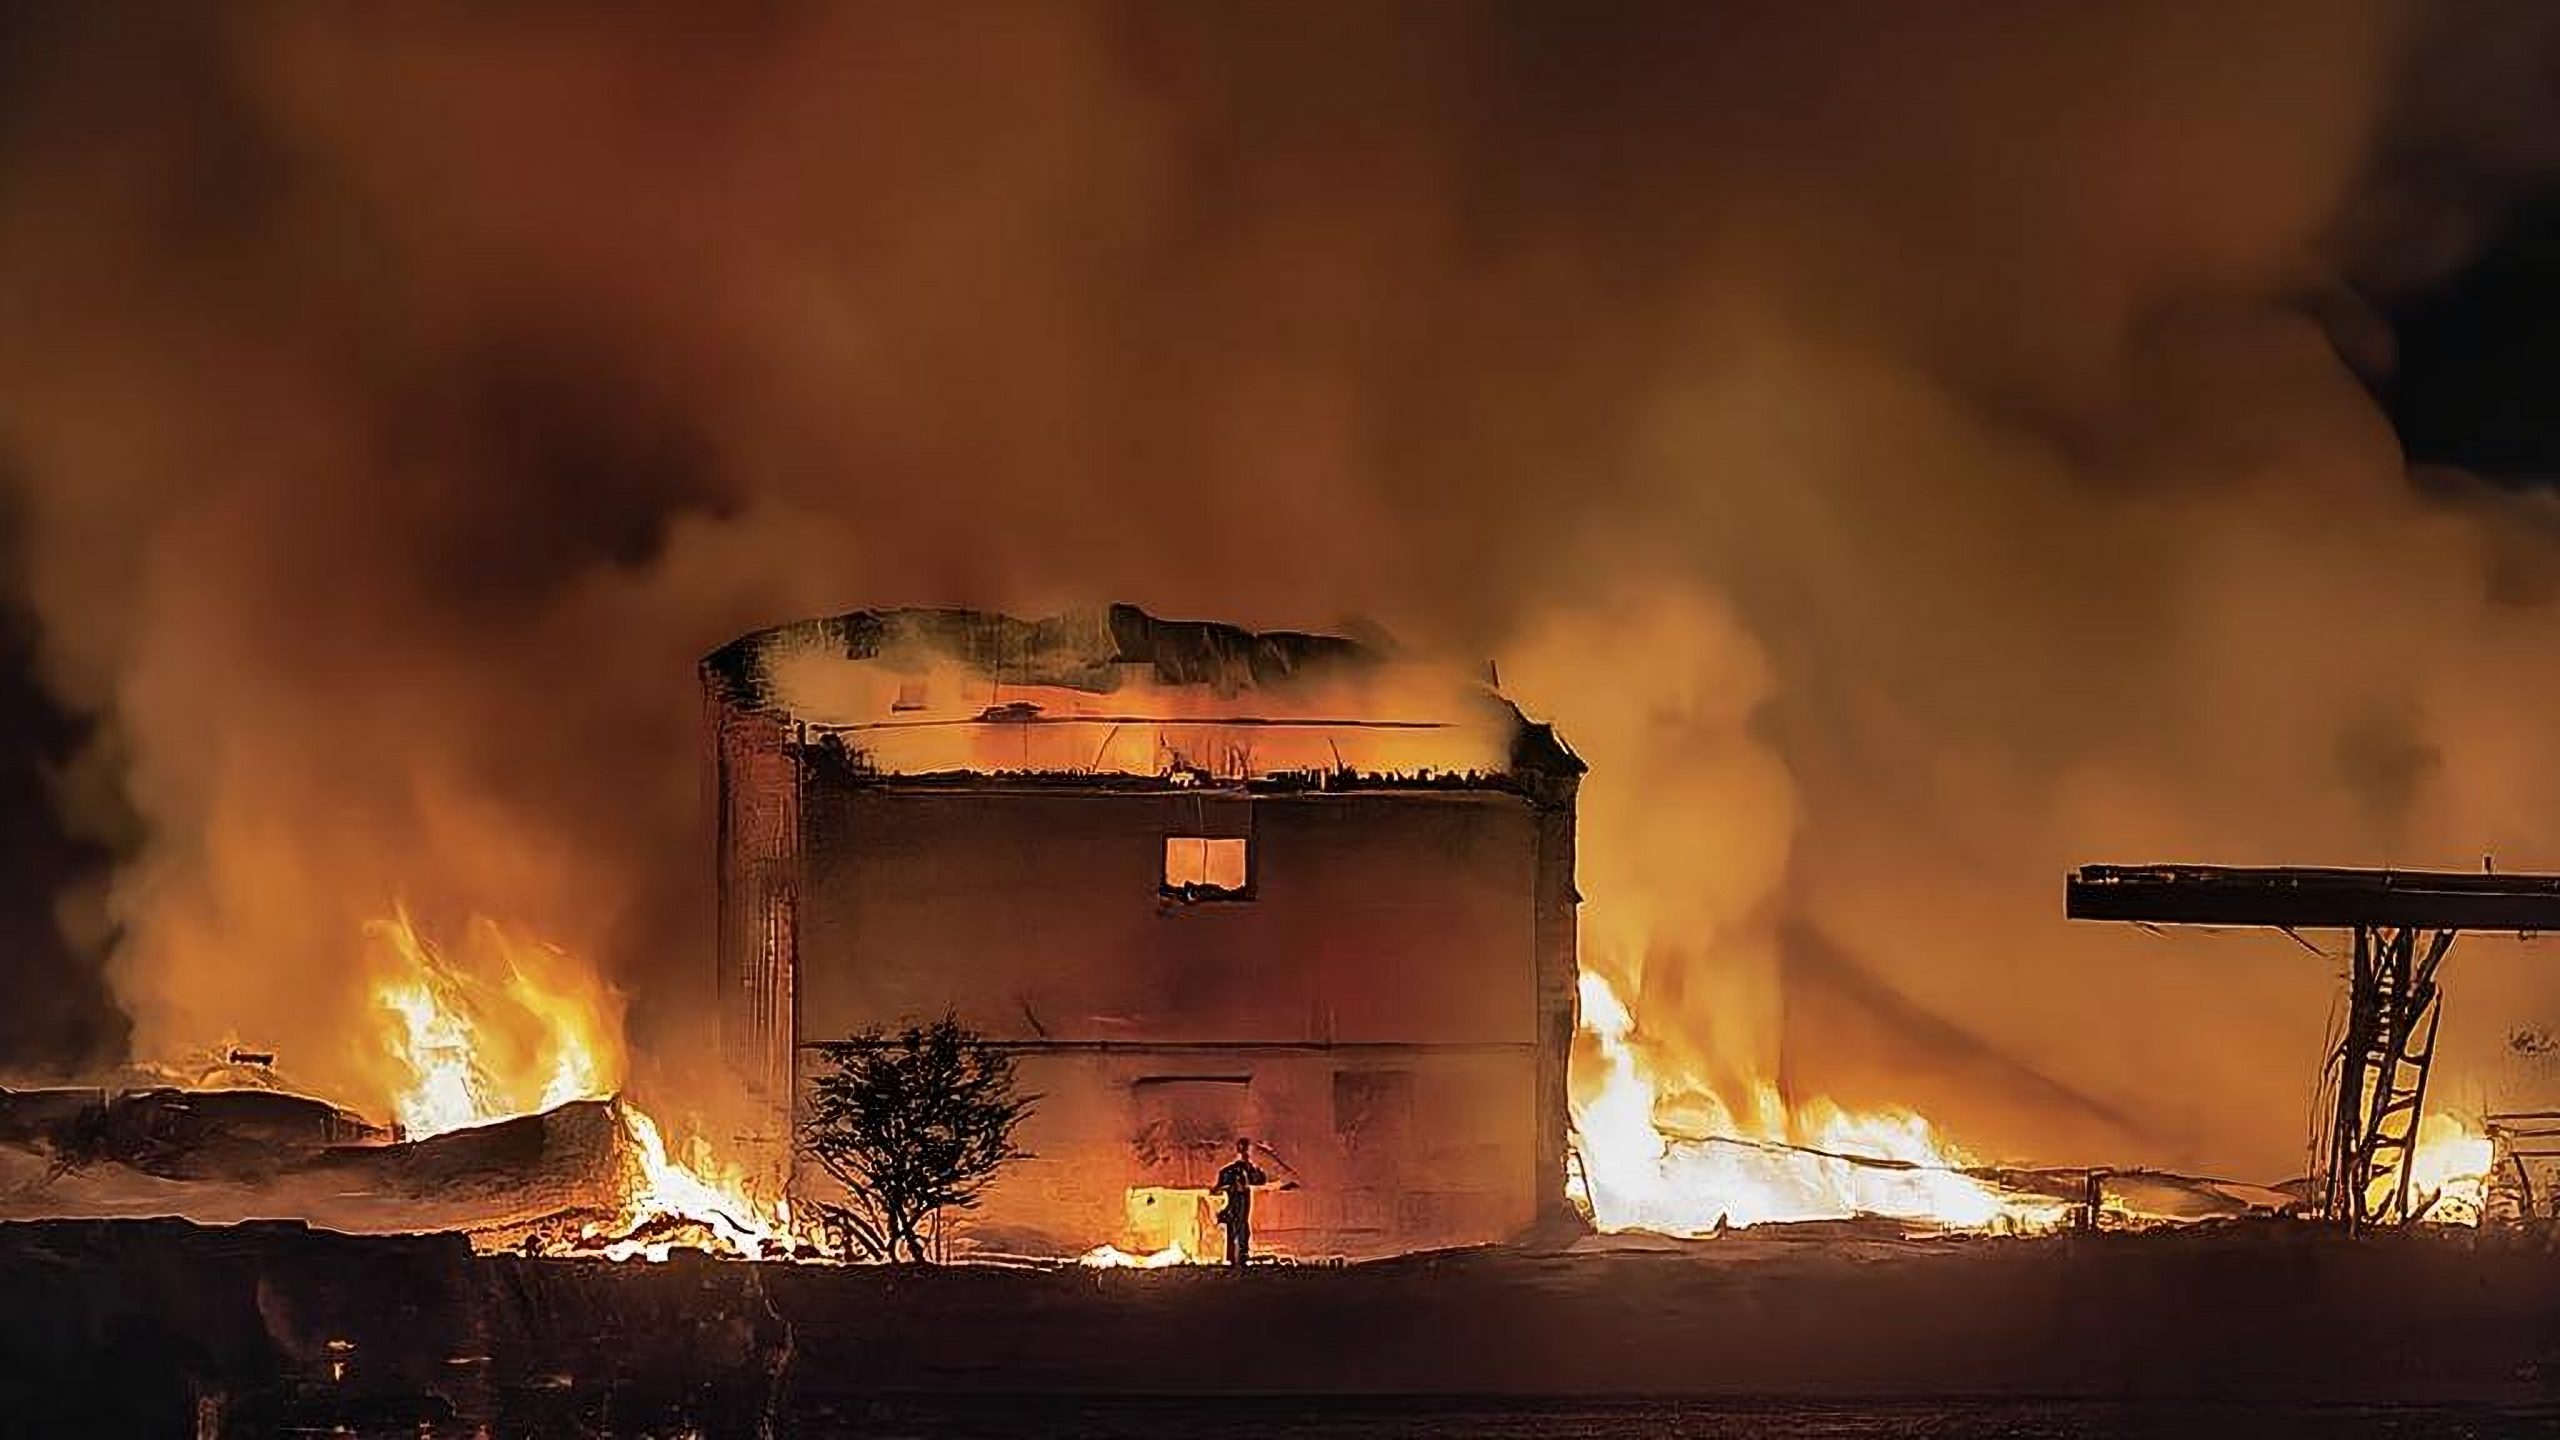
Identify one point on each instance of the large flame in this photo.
(1726, 1168)
(1731, 1168)
(505, 1027)
(502, 1026)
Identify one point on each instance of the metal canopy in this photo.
(2314, 899)
(2376, 1078)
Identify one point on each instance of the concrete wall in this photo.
(754, 773)
(1390, 1152)
(1377, 1010)
(1388, 915)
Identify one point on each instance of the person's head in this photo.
(1244, 1147)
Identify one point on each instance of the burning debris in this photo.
(700, 1205)
(219, 1156)
(504, 1058)
(501, 1057)
(508, 1026)
(1737, 1170)
(591, 1177)
(595, 1176)
(519, 1020)
(1639, 1170)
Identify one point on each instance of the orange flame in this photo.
(1762, 1165)
(507, 1027)
(2451, 1164)
(706, 1200)
(502, 1027)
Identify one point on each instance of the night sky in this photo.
(2477, 385)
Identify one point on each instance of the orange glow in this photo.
(1112, 1257)
(697, 1204)
(2451, 1163)
(1191, 860)
(504, 1027)
(918, 712)
(501, 1026)
(1752, 1166)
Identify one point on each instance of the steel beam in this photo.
(2314, 899)
(2384, 1055)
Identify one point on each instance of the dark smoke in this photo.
(63, 1018)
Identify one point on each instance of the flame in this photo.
(710, 1204)
(1112, 1257)
(507, 1027)
(1765, 1163)
(2451, 1163)
(915, 709)
(502, 1027)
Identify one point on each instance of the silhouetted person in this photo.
(1235, 1187)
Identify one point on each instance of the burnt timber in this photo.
(2403, 922)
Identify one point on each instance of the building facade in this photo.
(1202, 883)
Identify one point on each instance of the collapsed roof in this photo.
(1121, 691)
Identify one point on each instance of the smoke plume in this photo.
(1906, 448)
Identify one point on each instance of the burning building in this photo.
(1202, 882)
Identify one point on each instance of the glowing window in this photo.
(1200, 864)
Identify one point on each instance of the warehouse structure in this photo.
(1202, 882)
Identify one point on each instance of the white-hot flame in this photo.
(1767, 1163)
(445, 1089)
(1112, 1257)
(502, 1027)
(506, 1027)
(2451, 1163)
(700, 1195)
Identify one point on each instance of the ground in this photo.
(166, 1327)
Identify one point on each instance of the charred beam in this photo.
(2312, 898)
